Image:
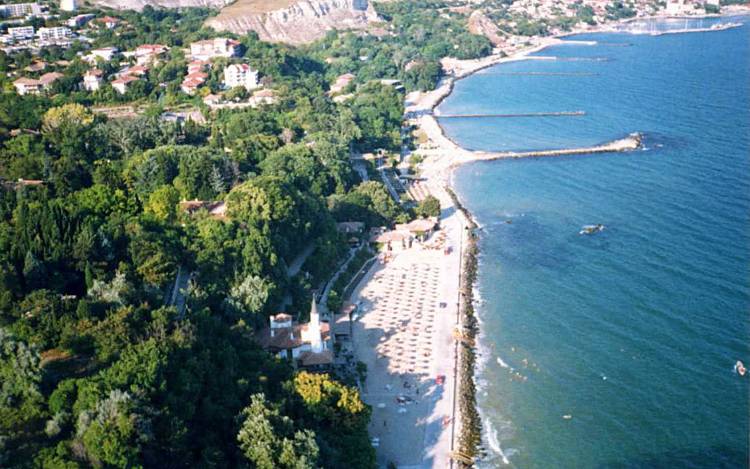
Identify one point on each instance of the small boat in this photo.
(591, 229)
(739, 368)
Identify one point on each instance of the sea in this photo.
(614, 349)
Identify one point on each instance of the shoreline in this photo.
(420, 107)
(444, 156)
(440, 425)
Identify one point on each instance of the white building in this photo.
(217, 47)
(57, 33)
(149, 53)
(121, 84)
(92, 79)
(27, 86)
(79, 20)
(20, 9)
(675, 7)
(31, 86)
(68, 5)
(105, 53)
(308, 345)
(240, 75)
(21, 33)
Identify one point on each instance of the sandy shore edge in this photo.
(457, 330)
(445, 155)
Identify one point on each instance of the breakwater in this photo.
(527, 114)
(668, 212)
(470, 431)
(632, 142)
(542, 74)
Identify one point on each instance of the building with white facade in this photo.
(31, 86)
(92, 79)
(21, 33)
(104, 53)
(20, 9)
(122, 84)
(68, 5)
(307, 345)
(57, 33)
(149, 53)
(217, 47)
(240, 75)
(676, 7)
(27, 86)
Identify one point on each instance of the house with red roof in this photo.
(122, 84)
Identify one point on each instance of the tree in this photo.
(155, 252)
(369, 202)
(20, 398)
(422, 75)
(249, 296)
(112, 431)
(22, 157)
(329, 400)
(277, 210)
(297, 165)
(34, 271)
(268, 440)
(340, 418)
(238, 93)
(428, 207)
(162, 203)
(217, 181)
(65, 126)
(378, 110)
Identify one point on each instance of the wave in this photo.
(492, 442)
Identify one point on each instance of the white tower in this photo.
(68, 5)
(313, 329)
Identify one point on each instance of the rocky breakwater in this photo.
(298, 23)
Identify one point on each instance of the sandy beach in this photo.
(408, 309)
(408, 316)
(404, 333)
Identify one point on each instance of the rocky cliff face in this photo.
(480, 24)
(301, 22)
(139, 4)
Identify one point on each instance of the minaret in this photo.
(313, 329)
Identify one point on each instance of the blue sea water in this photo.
(614, 349)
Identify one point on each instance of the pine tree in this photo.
(218, 184)
(88, 276)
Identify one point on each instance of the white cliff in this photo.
(303, 21)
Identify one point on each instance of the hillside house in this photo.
(92, 79)
(27, 86)
(240, 75)
(104, 53)
(122, 84)
(211, 48)
(146, 54)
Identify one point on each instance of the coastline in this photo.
(442, 426)
(442, 157)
